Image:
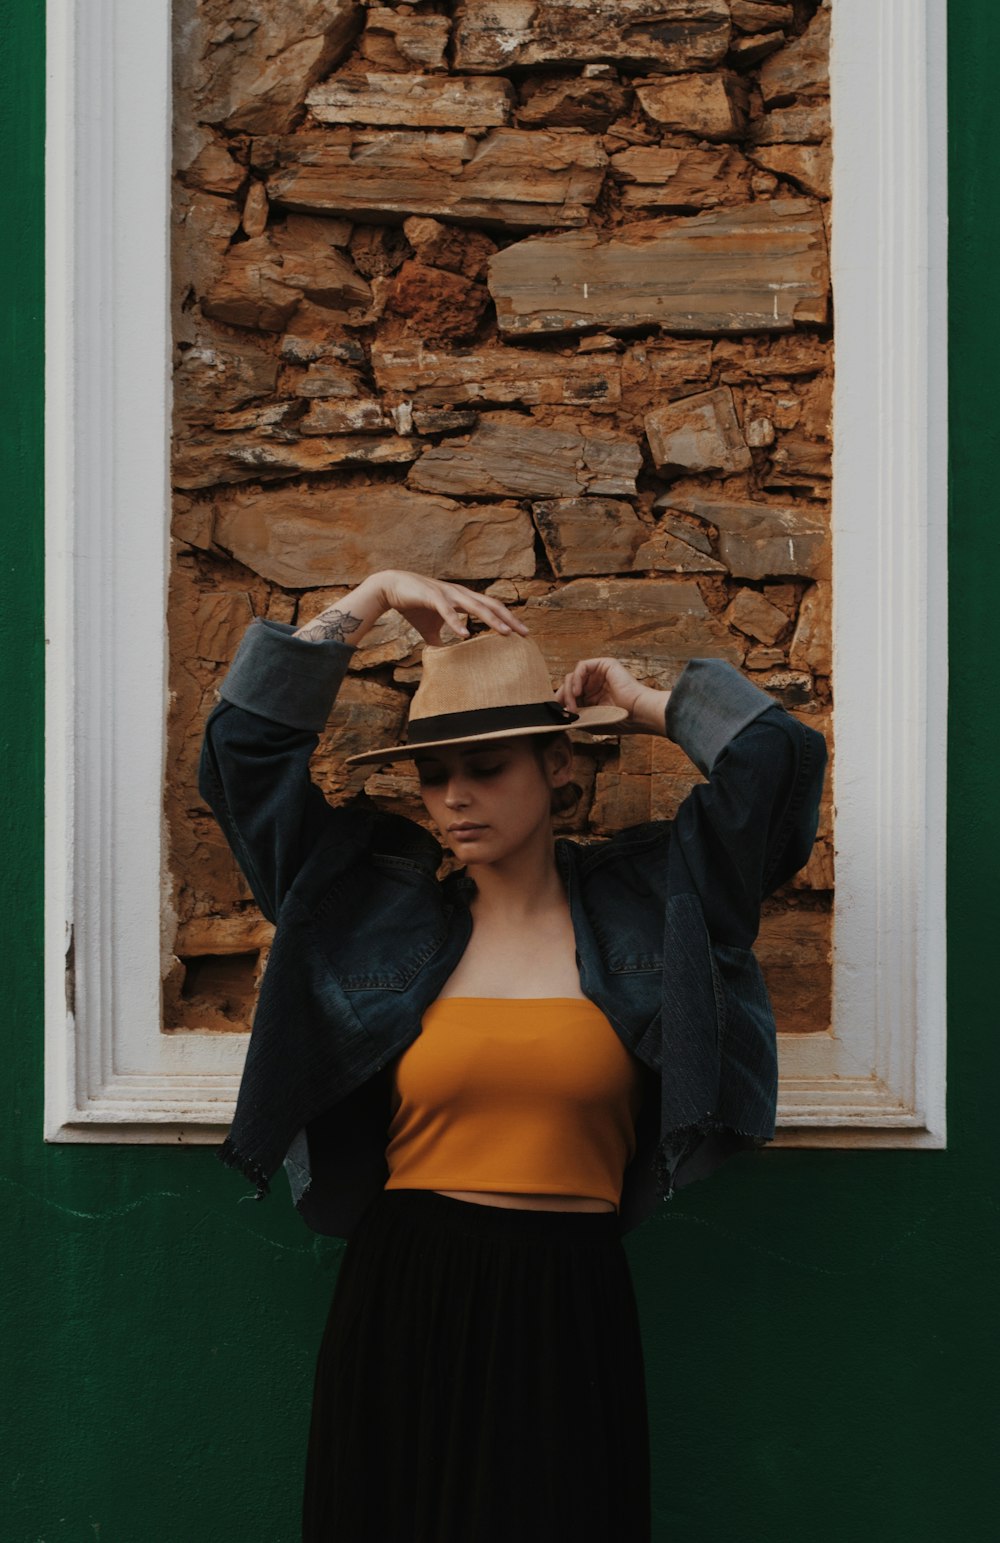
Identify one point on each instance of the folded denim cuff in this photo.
(709, 704)
(285, 678)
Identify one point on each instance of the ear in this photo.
(559, 760)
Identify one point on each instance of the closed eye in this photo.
(432, 781)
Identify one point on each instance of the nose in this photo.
(456, 790)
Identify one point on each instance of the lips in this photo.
(465, 830)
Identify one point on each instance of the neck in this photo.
(524, 884)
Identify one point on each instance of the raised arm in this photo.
(752, 825)
(260, 737)
(736, 838)
(274, 703)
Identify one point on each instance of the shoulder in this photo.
(634, 847)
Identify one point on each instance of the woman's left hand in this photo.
(605, 683)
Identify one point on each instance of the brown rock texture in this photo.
(436, 303)
(419, 101)
(495, 375)
(248, 67)
(757, 540)
(402, 40)
(494, 35)
(673, 177)
(698, 433)
(588, 535)
(760, 266)
(510, 179)
(569, 102)
(529, 294)
(312, 538)
(701, 105)
(509, 458)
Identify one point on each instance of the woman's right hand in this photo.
(429, 603)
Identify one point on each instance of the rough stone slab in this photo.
(437, 305)
(455, 248)
(216, 375)
(524, 460)
(753, 614)
(668, 553)
(753, 16)
(255, 210)
(248, 67)
(567, 102)
(699, 433)
(760, 541)
(794, 950)
(202, 161)
(398, 40)
(362, 415)
(240, 934)
(262, 282)
(802, 68)
(442, 420)
(647, 780)
(653, 625)
(191, 524)
(666, 176)
(762, 267)
(326, 377)
(808, 166)
(202, 228)
(793, 356)
(812, 643)
(692, 104)
(274, 420)
(207, 624)
(671, 35)
(511, 178)
(314, 537)
(439, 378)
(589, 535)
(792, 125)
(799, 466)
(420, 101)
(662, 366)
(251, 290)
(687, 531)
(749, 50)
(202, 463)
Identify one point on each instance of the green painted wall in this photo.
(819, 1326)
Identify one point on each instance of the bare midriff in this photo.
(529, 1202)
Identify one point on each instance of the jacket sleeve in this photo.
(258, 741)
(752, 825)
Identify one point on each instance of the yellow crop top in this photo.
(531, 1095)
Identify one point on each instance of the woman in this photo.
(480, 1376)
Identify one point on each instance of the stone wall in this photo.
(529, 294)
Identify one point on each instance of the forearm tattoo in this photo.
(330, 625)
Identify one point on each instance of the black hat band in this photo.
(484, 720)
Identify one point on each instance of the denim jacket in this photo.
(366, 935)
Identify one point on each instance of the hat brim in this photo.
(590, 719)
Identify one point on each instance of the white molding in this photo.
(110, 1073)
(881, 1068)
(878, 1076)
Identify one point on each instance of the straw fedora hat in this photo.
(487, 687)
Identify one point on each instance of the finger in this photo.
(454, 618)
(491, 610)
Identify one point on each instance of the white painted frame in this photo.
(878, 1076)
(110, 1073)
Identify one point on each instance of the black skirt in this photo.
(480, 1379)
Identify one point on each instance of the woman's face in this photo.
(499, 790)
